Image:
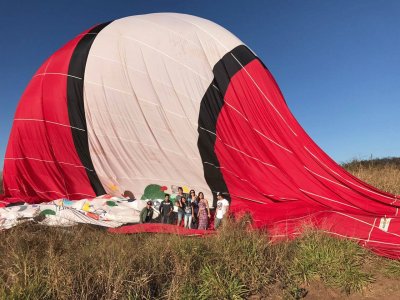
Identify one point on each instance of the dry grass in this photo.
(88, 263)
(85, 262)
(381, 173)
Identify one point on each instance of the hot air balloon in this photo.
(170, 99)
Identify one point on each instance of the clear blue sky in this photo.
(337, 62)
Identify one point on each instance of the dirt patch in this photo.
(382, 288)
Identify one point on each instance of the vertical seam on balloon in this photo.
(269, 101)
(140, 72)
(361, 187)
(143, 113)
(263, 135)
(304, 217)
(359, 239)
(53, 73)
(350, 217)
(394, 201)
(51, 122)
(329, 199)
(181, 146)
(56, 192)
(316, 174)
(166, 55)
(140, 17)
(202, 29)
(47, 161)
(234, 174)
(234, 148)
(57, 165)
(370, 232)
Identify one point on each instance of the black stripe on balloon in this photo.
(210, 107)
(76, 108)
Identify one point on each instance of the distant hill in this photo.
(375, 162)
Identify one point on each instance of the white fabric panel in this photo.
(145, 78)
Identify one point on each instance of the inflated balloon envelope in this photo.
(171, 99)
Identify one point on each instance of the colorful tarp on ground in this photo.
(172, 99)
(103, 211)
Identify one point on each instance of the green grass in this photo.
(391, 268)
(337, 262)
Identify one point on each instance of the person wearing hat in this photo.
(221, 211)
(146, 215)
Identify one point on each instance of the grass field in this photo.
(381, 173)
(88, 263)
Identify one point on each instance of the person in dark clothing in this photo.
(180, 192)
(194, 201)
(166, 209)
(179, 211)
(146, 215)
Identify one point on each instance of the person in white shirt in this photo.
(221, 211)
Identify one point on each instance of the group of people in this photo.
(192, 209)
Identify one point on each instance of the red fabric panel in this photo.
(273, 169)
(41, 161)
